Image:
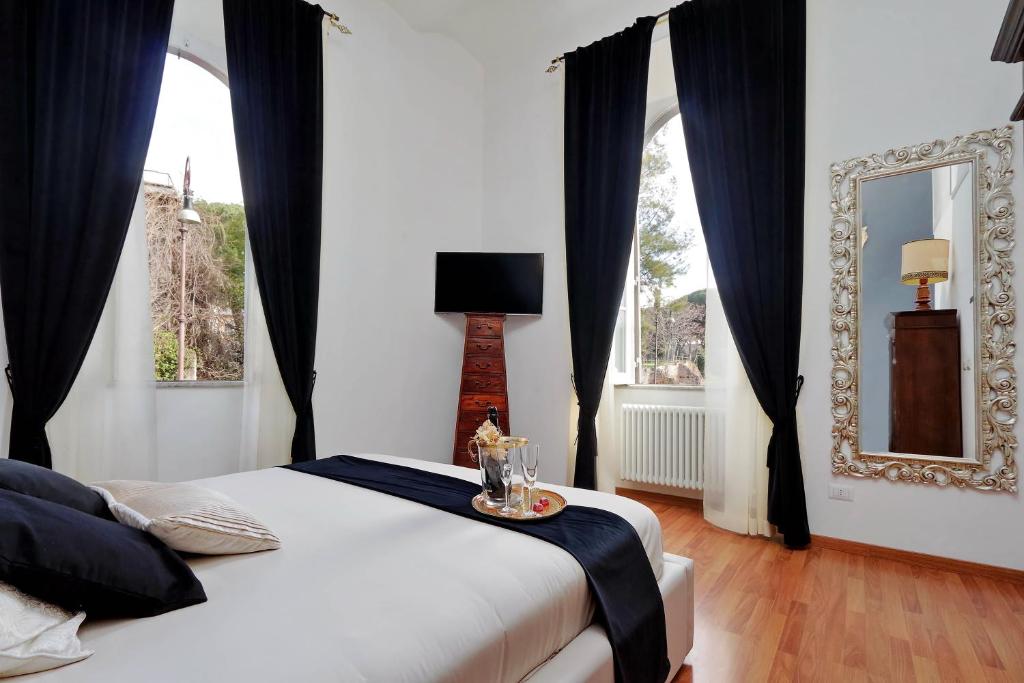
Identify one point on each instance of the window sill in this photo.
(672, 387)
(200, 384)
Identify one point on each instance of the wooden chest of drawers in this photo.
(483, 381)
(924, 394)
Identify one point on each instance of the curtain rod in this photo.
(553, 66)
(335, 21)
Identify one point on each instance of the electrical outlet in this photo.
(840, 492)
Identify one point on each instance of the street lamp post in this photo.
(187, 216)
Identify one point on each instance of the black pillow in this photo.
(40, 482)
(79, 561)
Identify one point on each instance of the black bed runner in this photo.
(629, 604)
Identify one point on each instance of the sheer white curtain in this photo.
(106, 428)
(268, 419)
(736, 434)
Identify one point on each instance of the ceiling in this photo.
(436, 15)
(493, 27)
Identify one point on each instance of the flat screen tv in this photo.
(477, 282)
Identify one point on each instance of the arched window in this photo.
(193, 120)
(659, 337)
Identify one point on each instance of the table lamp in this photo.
(924, 262)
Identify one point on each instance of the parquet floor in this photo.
(765, 613)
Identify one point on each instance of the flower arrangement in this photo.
(487, 435)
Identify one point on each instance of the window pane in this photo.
(194, 119)
(673, 265)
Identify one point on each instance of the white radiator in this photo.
(663, 445)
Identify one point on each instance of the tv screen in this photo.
(476, 282)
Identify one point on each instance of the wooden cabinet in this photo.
(483, 381)
(924, 390)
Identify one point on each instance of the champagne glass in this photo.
(507, 467)
(529, 456)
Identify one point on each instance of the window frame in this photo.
(626, 375)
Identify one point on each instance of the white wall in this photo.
(523, 208)
(402, 179)
(882, 74)
(198, 430)
(879, 74)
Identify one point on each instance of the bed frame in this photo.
(588, 658)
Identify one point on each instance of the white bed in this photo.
(369, 587)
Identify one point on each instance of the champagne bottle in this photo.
(492, 415)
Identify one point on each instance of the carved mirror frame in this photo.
(993, 468)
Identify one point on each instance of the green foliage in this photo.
(165, 355)
(230, 245)
(698, 297)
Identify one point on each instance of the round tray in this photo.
(557, 504)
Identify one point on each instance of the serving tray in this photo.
(556, 504)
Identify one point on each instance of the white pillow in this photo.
(187, 517)
(34, 635)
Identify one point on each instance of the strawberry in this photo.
(538, 507)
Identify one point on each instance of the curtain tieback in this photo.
(10, 378)
(796, 394)
(312, 386)
(785, 422)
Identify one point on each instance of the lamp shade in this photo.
(188, 214)
(925, 260)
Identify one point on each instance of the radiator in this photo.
(662, 445)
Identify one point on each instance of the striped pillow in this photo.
(188, 518)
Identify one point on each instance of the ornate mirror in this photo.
(923, 384)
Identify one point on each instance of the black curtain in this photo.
(275, 68)
(79, 82)
(605, 104)
(739, 69)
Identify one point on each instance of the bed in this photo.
(369, 587)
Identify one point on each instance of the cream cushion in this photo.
(187, 517)
(34, 635)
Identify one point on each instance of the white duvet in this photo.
(366, 587)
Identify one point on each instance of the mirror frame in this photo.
(993, 469)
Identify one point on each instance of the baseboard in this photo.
(650, 496)
(919, 559)
(855, 547)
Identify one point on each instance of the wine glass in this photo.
(529, 456)
(507, 467)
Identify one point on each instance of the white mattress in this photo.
(366, 587)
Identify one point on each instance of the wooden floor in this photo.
(765, 613)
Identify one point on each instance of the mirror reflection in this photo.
(917, 313)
